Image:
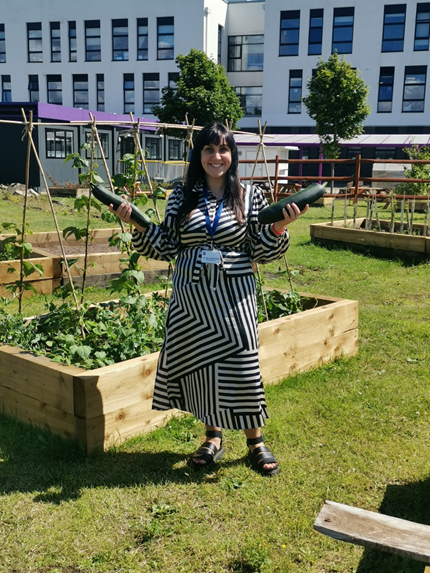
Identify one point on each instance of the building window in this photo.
(165, 39)
(120, 39)
(33, 88)
(245, 53)
(55, 42)
(315, 32)
(220, 29)
(343, 30)
(80, 91)
(173, 78)
(385, 93)
(104, 140)
(385, 153)
(295, 91)
(153, 147)
(73, 56)
(414, 89)
(352, 152)
(394, 28)
(128, 93)
(6, 89)
(151, 91)
(59, 144)
(251, 99)
(100, 79)
(175, 150)
(92, 41)
(142, 38)
(422, 27)
(34, 39)
(290, 27)
(2, 45)
(55, 89)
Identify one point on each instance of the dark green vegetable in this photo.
(109, 198)
(273, 213)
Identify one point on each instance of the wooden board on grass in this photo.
(374, 530)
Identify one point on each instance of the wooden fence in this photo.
(356, 189)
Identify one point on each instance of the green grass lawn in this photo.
(355, 431)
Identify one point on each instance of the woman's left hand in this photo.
(291, 213)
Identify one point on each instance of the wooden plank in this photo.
(307, 340)
(33, 411)
(294, 361)
(105, 263)
(50, 270)
(42, 287)
(374, 530)
(109, 389)
(38, 378)
(113, 429)
(370, 238)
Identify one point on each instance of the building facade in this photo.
(116, 58)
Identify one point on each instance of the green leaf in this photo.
(127, 300)
(82, 351)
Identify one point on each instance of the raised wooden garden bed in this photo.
(105, 406)
(379, 242)
(68, 192)
(103, 262)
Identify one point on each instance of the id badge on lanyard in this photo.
(212, 256)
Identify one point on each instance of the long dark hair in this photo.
(213, 134)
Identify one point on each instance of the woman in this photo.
(209, 361)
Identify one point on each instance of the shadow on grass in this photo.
(410, 502)
(36, 460)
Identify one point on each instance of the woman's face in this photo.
(216, 160)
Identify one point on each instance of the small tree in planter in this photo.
(337, 102)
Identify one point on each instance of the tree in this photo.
(337, 101)
(416, 171)
(203, 93)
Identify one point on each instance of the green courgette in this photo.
(273, 213)
(109, 198)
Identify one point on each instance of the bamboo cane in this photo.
(87, 236)
(368, 213)
(411, 229)
(332, 213)
(345, 210)
(402, 215)
(137, 141)
(60, 240)
(24, 214)
(392, 211)
(375, 206)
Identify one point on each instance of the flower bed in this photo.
(102, 407)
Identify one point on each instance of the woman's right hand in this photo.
(124, 214)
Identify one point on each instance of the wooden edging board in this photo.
(374, 530)
(103, 407)
(358, 236)
(102, 266)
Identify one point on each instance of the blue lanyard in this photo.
(211, 228)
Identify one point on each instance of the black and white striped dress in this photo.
(208, 364)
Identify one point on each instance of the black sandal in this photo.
(208, 452)
(261, 456)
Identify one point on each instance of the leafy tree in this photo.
(337, 101)
(203, 93)
(417, 171)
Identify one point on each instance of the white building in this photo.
(102, 55)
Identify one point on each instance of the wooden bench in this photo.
(375, 530)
